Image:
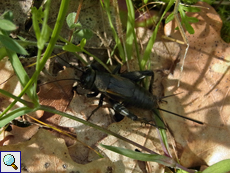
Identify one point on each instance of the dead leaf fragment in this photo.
(57, 94)
(205, 86)
(19, 134)
(46, 153)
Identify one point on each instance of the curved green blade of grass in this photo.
(130, 29)
(14, 114)
(26, 103)
(51, 110)
(220, 167)
(21, 73)
(106, 6)
(164, 160)
(153, 37)
(161, 132)
(12, 45)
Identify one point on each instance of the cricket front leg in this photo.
(99, 105)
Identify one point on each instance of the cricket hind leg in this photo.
(92, 94)
(118, 117)
(117, 69)
(137, 76)
(122, 110)
(117, 107)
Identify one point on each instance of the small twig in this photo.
(175, 12)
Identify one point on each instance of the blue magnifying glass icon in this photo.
(9, 161)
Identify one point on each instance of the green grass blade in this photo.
(220, 167)
(12, 45)
(14, 114)
(169, 18)
(130, 29)
(162, 132)
(26, 103)
(164, 160)
(117, 40)
(20, 72)
(3, 53)
(45, 32)
(98, 60)
(153, 38)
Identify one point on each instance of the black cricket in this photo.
(122, 90)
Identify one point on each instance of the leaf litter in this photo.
(47, 153)
(205, 87)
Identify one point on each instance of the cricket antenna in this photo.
(170, 95)
(191, 119)
(59, 80)
(69, 63)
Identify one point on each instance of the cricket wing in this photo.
(120, 88)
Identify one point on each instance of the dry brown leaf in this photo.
(205, 87)
(57, 94)
(20, 134)
(46, 153)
